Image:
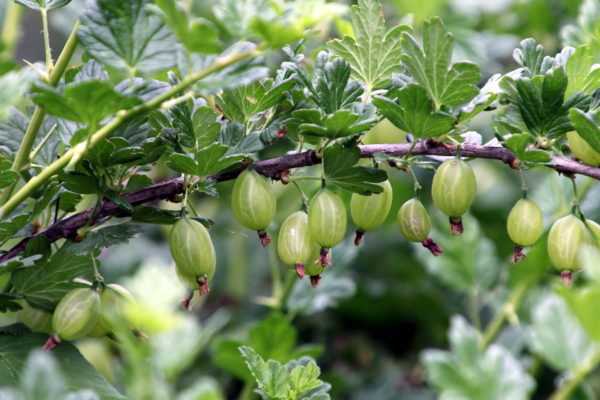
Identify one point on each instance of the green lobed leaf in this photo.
(374, 52)
(14, 86)
(556, 335)
(43, 4)
(125, 36)
(88, 102)
(466, 372)
(48, 280)
(195, 33)
(339, 165)
(7, 176)
(582, 71)
(213, 159)
(431, 66)
(414, 112)
(26, 367)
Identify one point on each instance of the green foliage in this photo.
(374, 52)
(339, 165)
(40, 375)
(296, 380)
(430, 65)
(127, 38)
(466, 371)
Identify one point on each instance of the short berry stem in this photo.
(264, 238)
(300, 270)
(51, 343)
(324, 257)
(314, 280)
(456, 226)
(518, 254)
(432, 246)
(203, 287)
(567, 278)
(358, 237)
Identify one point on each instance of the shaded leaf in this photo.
(125, 36)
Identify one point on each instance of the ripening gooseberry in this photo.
(453, 190)
(113, 301)
(369, 212)
(75, 316)
(525, 225)
(415, 225)
(565, 240)
(294, 243)
(327, 220)
(253, 204)
(36, 320)
(194, 254)
(582, 150)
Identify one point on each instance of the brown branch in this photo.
(274, 168)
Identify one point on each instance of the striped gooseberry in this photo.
(327, 220)
(565, 240)
(253, 204)
(369, 212)
(415, 225)
(296, 247)
(453, 190)
(525, 225)
(194, 254)
(75, 316)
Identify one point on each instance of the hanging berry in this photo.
(369, 212)
(253, 204)
(525, 225)
(295, 245)
(453, 190)
(415, 225)
(327, 220)
(565, 240)
(193, 252)
(75, 316)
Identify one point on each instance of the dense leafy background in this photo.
(388, 321)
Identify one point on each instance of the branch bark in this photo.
(274, 168)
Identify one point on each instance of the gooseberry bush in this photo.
(304, 121)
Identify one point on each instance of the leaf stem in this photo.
(46, 34)
(576, 376)
(22, 156)
(507, 311)
(81, 149)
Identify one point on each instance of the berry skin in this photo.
(453, 190)
(582, 150)
(253, 204)
(193, 252)
(327, 220)
(294, 243)
(36, 320)
(113, 300)
(415, 224)
(525, 225)
(565, 239)
(76, 314)
(369, 212)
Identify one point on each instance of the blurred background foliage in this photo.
(382, 308)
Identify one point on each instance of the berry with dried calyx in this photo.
(253, 203)
(415, 225)
(453, 190)
(369, 212)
